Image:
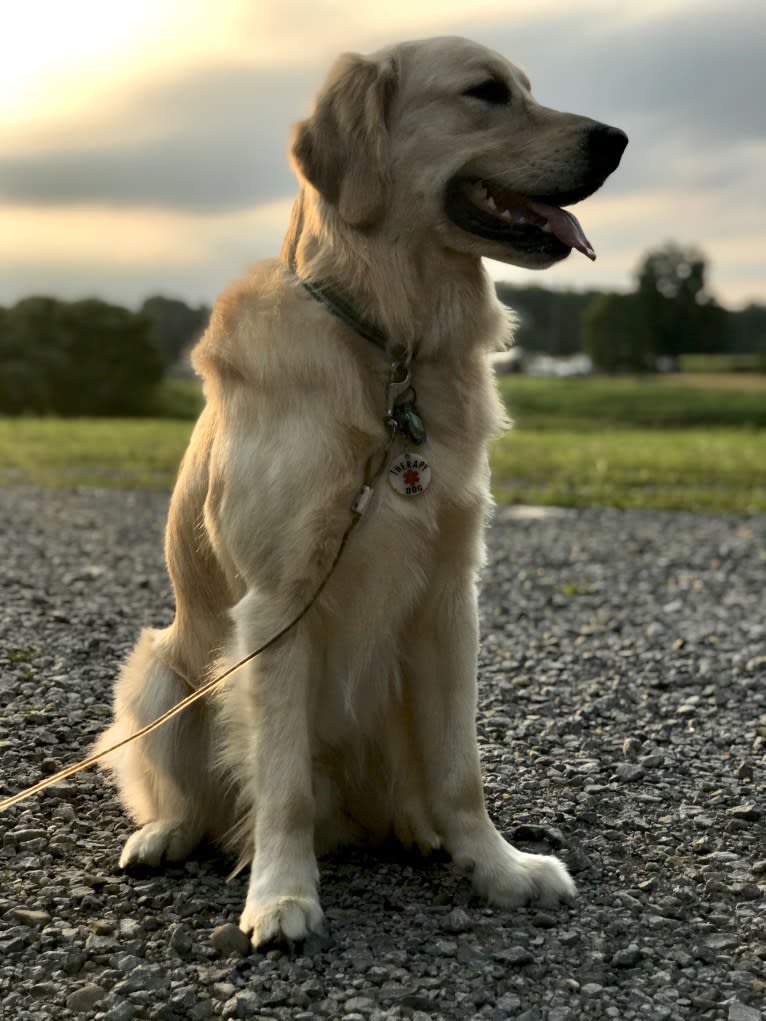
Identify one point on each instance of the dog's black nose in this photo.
(606, 146)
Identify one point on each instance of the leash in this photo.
(358, 508)
(398, 385)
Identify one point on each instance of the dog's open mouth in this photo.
(531, 224)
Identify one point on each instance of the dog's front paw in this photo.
(157, 841)
(281, 919)
(511, 878)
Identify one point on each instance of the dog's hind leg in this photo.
(165, 779)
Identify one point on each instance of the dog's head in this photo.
(443, 136)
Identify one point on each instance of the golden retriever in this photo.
(359, 723)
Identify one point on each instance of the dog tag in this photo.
(410, 474)
(409, 422)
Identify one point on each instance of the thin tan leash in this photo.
(357, 510)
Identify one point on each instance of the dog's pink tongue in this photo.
(564, 225)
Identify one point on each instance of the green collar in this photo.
(341, 308)
(402, 414)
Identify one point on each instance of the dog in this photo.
(353, 369)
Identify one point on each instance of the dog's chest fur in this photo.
(280, 496)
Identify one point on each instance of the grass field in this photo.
(677, 442)
(122, 452)
(687, 469)
(652, 402)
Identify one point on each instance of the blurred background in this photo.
(144, 166)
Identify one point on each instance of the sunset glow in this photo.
(144, 145)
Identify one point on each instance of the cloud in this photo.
(696, 68)
(214, 138)
(180, 179)
(123, 255)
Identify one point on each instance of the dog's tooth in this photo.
(546, 227)
(491, 203)
(506, 215)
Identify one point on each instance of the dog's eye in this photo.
(491, 91)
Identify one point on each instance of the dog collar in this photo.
(345, 311)
(402, 413)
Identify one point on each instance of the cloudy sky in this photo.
(144, 143)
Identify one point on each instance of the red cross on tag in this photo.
(410, 474)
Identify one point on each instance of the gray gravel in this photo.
(623, 724)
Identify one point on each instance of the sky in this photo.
(144, 145)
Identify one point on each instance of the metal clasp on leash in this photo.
(399, 378)
(363, 498)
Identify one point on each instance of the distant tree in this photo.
(76, 358)
(175, 325)
(549, 321)
(31, 355)
(616, 334)
(676, 304)
(748, 330)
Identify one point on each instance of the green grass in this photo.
(655, 402)
(668, 442)
(671, 442)
(724, 363)
(123, 452)
(690, 469)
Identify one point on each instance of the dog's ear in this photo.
(342, 149)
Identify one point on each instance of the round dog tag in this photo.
(410, 474)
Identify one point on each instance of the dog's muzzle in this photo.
(535, 226)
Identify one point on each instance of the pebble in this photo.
(121, 1012)
(592, 989)
(34, 919)
(65, 813)
(629, 772)
(457, 921)
(748, 813)
(628, 957)
(25, 836)
(125, 963)
(544, 920)
(749, 891)
(652, 761)
(229, 939)
(631, 747)
(359, 1003)
(514, 956)
(244, 1004)
(102, 927)
(181, 941)
(741, 1012)
(85, 998)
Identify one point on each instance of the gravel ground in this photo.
(623, 724)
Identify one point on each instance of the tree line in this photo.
(91, 357)
(94, 358)
(669, 313)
